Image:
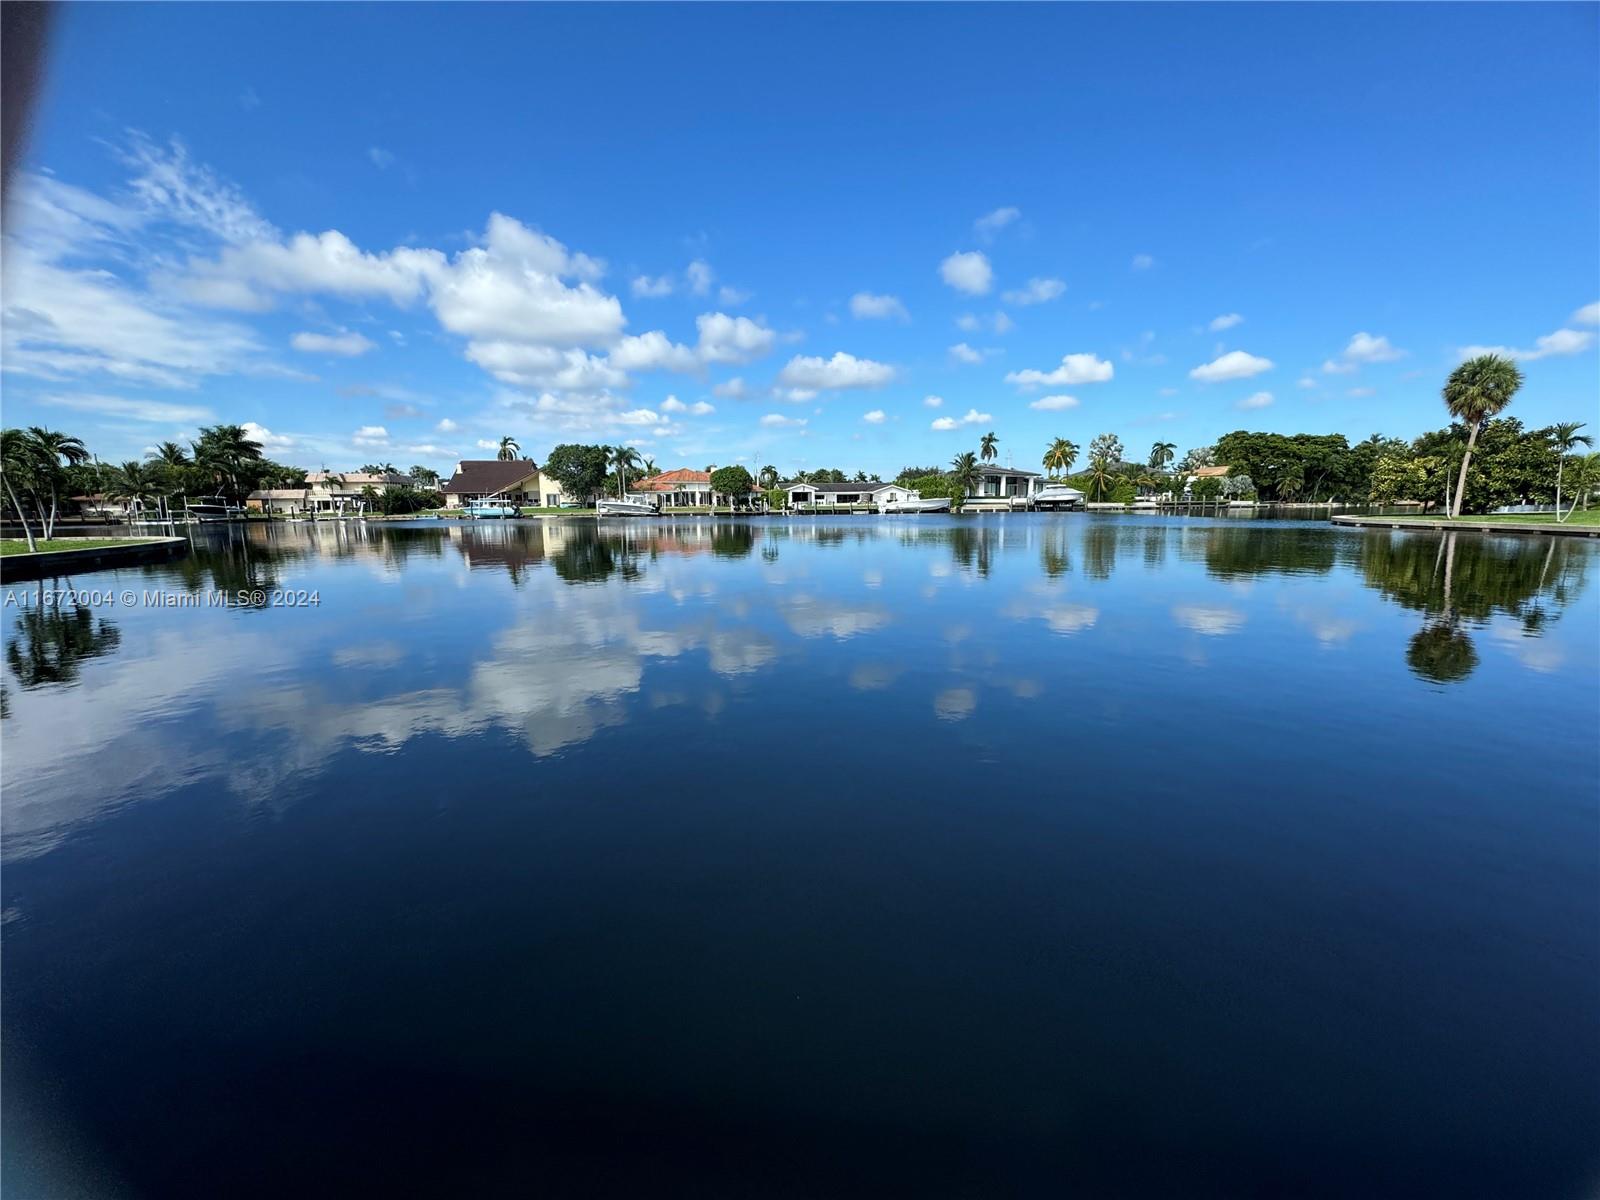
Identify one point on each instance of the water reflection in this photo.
(49, 643)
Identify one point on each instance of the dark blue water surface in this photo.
(1007, 855)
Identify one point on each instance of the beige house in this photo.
(327, 491)
(492, 480)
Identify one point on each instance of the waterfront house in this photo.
(802, 495)
(687, 488)
(518, 481)
(327, 491)
(1006, 483)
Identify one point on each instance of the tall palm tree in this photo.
(19, 466)
(650, 468)
(1146, 481)
(509, 449)
(1566, 438)
(964, 472)
(134, 481)
(986, 446)
(1061, 455)
(1477, 390)
(1162, 453)
(169, 454)
(1585, 478)
(1103, 478)
(1290, 484)
(55, 451)
(768, 476)
(624, 459)
(221, 452)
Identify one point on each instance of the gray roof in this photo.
(997, 469)
(840, 487)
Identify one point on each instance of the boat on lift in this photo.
(933, 505)
(484, 511)
(1058, 495)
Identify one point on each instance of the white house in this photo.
(327, 491)
(1006, 483)
(802, 495)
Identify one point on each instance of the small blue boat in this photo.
(491, 510)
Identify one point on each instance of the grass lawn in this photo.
(1587, 517)
(19, 546)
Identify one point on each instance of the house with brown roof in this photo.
(518, 481)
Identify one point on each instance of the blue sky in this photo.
(781, 234)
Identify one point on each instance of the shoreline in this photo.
(1468, 526)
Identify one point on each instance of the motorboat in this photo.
(212, 508)
(626, 508)
(491, 511)
(1058, 495)
(935, 504)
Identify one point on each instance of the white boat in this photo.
(212, 508)
(625, 508)
(1058, 495)
(936, 504)
(486, 511)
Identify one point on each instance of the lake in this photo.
(1004, 855)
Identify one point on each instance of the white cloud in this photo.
(1074, 369)
(122, 408)
(779, 421)
(1054, 403)
(968, 272)
(1226, 321)
(1003, 323)
(992, 223)
(1589, 314)
(1360, 392)
(1037, 291)
(268, 439)
(841, 371)
(973, 417)
(531, 366)
(961, 352)
(732, 296)
(447, 426)
(1305, 381)
(733, 389)
(653, 351)
(167, 185)
(1235, 364)
(700, 276)
(344, 343)
(700, 408)
(876, 417)
(1330, 367)
(371, 435)
(1365, 348)
(933, 401)
(381, 158)
(1143, 262)
(866, 306)
(673, 405)
(647, 288)
(1561, 342)
(1257, 400)
(725, 339)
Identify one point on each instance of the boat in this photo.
(491, 511)
(936, 504)
(625, 508)
(212, 508)
(1058, 495)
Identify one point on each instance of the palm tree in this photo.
(169, 454)
(964, 474)
(768, 476)
(509, 449)
(1061, 455)
(624, 459)
(55, 451)
(1162, 453)
(986, 446)
(650, 468)
(1566, 438)
(1146, 480)
(1102, 478)
(134, 481)
(1290, 484)
(1477, 390)
(425, 476)
(1585, 478)
(19, 466)
(221, 452)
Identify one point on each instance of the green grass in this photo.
(1587, 517)
(20, 546)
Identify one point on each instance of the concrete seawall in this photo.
(1470, 526)
(16, 567)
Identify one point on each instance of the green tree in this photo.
(624, 459)
(1060, 457)
(1565, 437)
(1106, 448)
(579, 469)
(733, 482)
(1103, 478)
(1162, 453)
(55, 452)
(964, 475)
(134, 481)
(20, 467)
(425, 476)
(509, 449)
(1478, 389)
(223, 453)
(987, 446)
(768, 475)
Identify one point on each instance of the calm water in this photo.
(1021, 855)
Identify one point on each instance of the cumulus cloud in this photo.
(1365, 348)
(645, 287)
(973, 417)
(779, 421)
(1235, 364)
(700, 276)
(524, 365)
(933, 401)
(963, 353)
(969, 272)
(992, 223)
(867, 306)
(673, 405)
(370, 435)
(1037, 291)
(733, 389)
(1054, 403)
(1226, 321)
(268, 439)
(839, 372)
(447, 426)
(1257, 400)
(1074, 369)
(1589, 314)
(876, 417)
(1561, 342)
(344, 343)
(725, 339)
